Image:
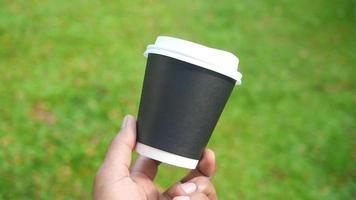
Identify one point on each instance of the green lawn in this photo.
(70, 70)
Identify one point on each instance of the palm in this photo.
(115, 180)
(144, 172)
(135, 188)
(138, 184)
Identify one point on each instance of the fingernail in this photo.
(189, 187)
(124, 122)
(181, 198)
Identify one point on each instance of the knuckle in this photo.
(201, 179)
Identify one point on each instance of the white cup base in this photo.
(165, 157)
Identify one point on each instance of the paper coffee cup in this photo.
(185, 89)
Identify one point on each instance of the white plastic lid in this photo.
(216, 60)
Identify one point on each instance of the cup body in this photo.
(179, 108)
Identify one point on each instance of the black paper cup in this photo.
(185, 89)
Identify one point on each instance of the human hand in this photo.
(115, 180)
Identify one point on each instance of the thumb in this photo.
(118, 158)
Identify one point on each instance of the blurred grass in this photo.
(70, 70)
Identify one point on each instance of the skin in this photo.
(115, 179)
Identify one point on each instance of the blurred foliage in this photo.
(70, 70)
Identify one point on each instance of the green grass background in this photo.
(70, 71)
